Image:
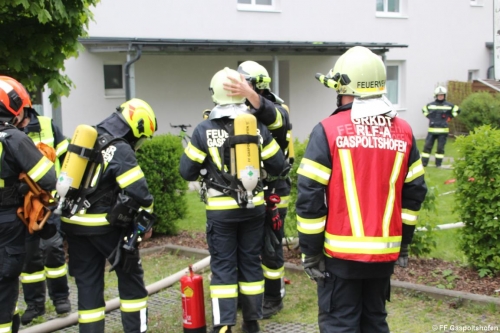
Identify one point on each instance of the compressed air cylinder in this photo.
(247, 155)
(74, 165)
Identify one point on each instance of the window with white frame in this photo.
(113, 80)
(391, 8)
(259, 5)
(477, 3)
(393, 84)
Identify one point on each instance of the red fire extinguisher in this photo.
(193, 305)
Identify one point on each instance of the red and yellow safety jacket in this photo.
(371, 174)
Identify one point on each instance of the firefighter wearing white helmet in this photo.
(270, 110)
(439, 112)
(101, 229)
(234, 227)
(373, 182)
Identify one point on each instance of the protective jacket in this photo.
(362, 220)
(439, 114)
(121, 172)
(206, 147)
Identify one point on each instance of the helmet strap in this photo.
(339, 100)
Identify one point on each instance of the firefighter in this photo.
(92, 236)
(12, 230)
(234, 230)
(268, 109)
(439, 112)
(360, 188)
(45, 258)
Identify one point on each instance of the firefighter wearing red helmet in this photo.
(97, 232)
(439, 112)
(45, 261)
(360, 187)
(12, 164)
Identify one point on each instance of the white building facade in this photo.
(179, 45)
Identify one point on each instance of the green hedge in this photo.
(478, 197)
(479, 109)
(159, 159)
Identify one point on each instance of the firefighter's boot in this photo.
(62, 306)
(34, 310)
(270, 308)
(251, 326)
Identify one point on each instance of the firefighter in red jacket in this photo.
(12, 229)
(270, 110)
(364, 161)
(439, 112)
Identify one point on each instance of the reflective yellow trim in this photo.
(439, 130)
(251, 288)
(54, 273)
(278, 122)
(16, 310)
(91, 316)
(6, 328)
(416, 170)
(130, 177)
(351, 193)
(224, 203)
(425, 111)
(40, 169)
(391, 197)
(194, 153)
(273, 274)
(32, 277)
(148, 209)
(270, 150)
(454, 111)
(409, 217)
(224, 291)
(285, 200)
(87, 220)
(441, 156)
(426, 155)
(311, 226)
(133, 305)
(362, 245)
(315, 171)
(439, 107)
(214, 154)
(62, 147)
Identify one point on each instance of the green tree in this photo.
(37, 36)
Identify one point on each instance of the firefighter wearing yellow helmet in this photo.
(18, 155)
(272, 112)
(359, 190)
(439, 112)
(235, 217)
(95, 231)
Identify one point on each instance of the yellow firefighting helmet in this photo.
(358, 72)
(440, 91)
(206, 113)
(140, 117)
(255, 74)
(219, 94)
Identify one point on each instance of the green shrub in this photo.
(478, 197)
(424, 241)
(291, 217)
(159, 159)
(479, 109)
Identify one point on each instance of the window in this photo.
(472, 75)
(113, 80)
(392, 84)
(477, 3)
(259, 5)
(391, 8)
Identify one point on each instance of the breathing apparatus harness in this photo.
(221, 180)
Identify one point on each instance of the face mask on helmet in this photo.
(139, 116)
(255, 74)
(138, 144)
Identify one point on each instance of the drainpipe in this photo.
(113, 304)
(276, 75)
(127, 71)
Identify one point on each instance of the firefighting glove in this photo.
(271, 242)
(403, 256)
(272, 213)
(314, 266)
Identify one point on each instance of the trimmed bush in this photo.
(479, 109)
(291, 217)
(159, 159)
(478, 197)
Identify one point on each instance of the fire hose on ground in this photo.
(113, 304)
